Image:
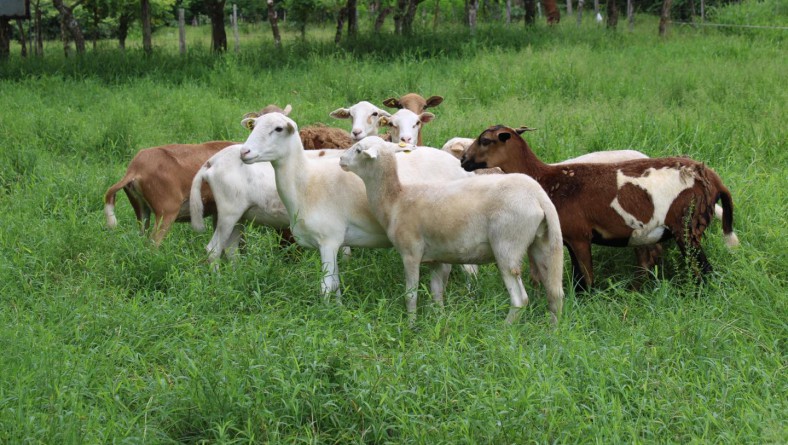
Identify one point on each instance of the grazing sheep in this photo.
(636, 203)
(158, 180)
(327, 206)
(476, 220)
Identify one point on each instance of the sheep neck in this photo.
(291, 174)
(383, 187)
(521, 159)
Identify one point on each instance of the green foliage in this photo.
(106, 339)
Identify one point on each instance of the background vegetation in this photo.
(107, 339)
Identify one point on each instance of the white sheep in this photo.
(364, 118)
(327, 206)
(242, 193)
(405, 125)
(476, 220)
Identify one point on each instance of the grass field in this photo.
(105, 339)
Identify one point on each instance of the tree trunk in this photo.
(530, 12)
(124, 22)
(70, 25)
(96, 20)
(664, 18)
(631, 15)
(551, 12)
(340, 25)
(612, 14)
(147, 40)
(509, 11)
(399, 15)
(381, 18)
(436, 14)
(568, 7)
(473, 8)
(218, 34)
(351, 11)
(274, 24)
(580, 4)
(5, 38)
(39, 42)
(22, 37)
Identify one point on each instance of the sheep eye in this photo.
(375, 114)
(278, 129)
(358, 150)
(485, 141)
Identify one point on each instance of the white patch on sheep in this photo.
(664, 186)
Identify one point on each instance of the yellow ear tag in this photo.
(250, 125)
(407, 151)
(402, 144)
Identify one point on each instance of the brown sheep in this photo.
(635, 203)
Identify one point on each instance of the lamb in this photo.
(242, 193)
(637, 203)
(364, 118)
(327, 206)
(405, 125)
(476, 220)
(158, 180)
(413, 102)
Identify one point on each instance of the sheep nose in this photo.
(406, 139)
(356, 133)
(245, 152)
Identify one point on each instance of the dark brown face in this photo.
(487, 151)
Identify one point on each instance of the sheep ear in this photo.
(248, 123)
(251, 115)
(340, 113)
(434, 101)
(290, 128)
(503, 137)
(523, 129)
(383, 121)
(287, 110)
(426, 117)
(371, 152)
(384, 113)
(392, 102)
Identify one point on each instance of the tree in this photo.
(272, 19)
(664, 18)
(218, 34)
(612, 14)
(147, 39)
(5, 37)
(70, 25)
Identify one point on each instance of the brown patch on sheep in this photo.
(636, 201)
(319, 136)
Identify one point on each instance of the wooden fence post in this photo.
(235, 27)
(182, 30)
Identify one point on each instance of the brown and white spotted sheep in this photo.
(632, 203)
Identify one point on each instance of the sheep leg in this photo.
(411, 263)
(224, 229)
(471, 275)
(582, 267)
(438, 280)
(233, 242)
(517, 295)
(162, 227)
(647, 258)
(330, 283)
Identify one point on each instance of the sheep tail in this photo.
(553, 277)
(109, 200)
(195, 199)
(731, 240)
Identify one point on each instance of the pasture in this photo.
(104, 338)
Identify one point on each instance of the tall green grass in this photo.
(107, 339)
